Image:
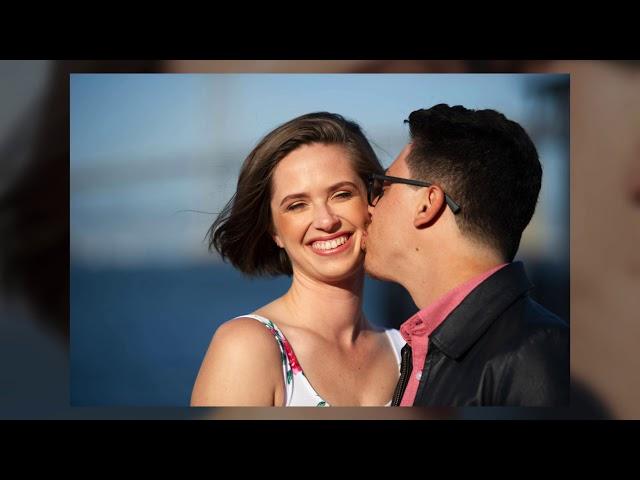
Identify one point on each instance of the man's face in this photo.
(391, 223)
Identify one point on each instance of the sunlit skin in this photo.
(315, 201)
(319, 212)
(391, 223)
(413, 239)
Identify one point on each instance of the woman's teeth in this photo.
(330, 244)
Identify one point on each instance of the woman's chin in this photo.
(346, 275)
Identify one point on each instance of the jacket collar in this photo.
(475, 314)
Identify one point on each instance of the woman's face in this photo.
(319, 210)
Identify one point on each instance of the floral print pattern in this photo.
(289, 360)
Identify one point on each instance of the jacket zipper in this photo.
(405, 372)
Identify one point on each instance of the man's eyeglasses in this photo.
(376, 182)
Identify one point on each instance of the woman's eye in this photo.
(295, 206)
(343, 194)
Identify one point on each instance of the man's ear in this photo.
(429, 207)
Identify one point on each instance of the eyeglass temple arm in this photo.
(455, 208)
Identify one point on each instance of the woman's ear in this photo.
(430, 204)
(272, 231)
(276, 239)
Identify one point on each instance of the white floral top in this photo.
(298, 390)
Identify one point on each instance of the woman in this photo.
(300, 209)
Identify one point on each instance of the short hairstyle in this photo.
(486, 162)
(242, 233)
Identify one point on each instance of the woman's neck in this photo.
(334, 311)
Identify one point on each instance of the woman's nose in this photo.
(325, 219)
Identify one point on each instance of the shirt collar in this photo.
(424, 322)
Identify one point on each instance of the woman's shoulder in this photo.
(241, 366)
(246, 333)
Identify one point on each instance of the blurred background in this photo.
(151, 158)
(150, 152)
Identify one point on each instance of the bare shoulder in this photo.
(242, 336)
(243, 331)
(241, 367)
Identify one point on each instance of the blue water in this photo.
(138, 336)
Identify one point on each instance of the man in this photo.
(446, 223)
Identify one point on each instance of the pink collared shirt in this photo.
(417, 329)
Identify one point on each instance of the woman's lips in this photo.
(327, 247)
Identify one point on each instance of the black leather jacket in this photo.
(498, 347)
